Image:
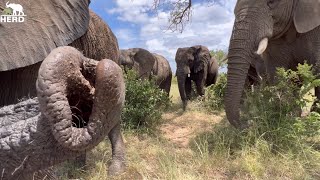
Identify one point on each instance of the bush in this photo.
(273, 112)
(214, 97)
(144, 103)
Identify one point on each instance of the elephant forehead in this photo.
(47, 25)
(181, 52)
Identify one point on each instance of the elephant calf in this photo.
(195, 64)
(79, 103)
(147, 64)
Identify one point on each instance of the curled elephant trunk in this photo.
(77, 96)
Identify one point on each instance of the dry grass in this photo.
(173, 152)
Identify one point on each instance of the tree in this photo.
(180, 11)
(220, 56)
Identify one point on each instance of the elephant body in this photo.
(195, 64)
(162, 72)
(147, 64)
(79, 103)
(88, 33)
(284, 33)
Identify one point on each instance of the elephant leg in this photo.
(317, 101)
(168, 84)
(188, 88)
(117, 164)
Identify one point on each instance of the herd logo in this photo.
(12, 13)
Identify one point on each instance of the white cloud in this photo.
(211, 26)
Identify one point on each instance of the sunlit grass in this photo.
(195, 145)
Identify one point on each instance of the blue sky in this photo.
(135, 24)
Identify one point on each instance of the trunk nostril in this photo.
(81, 109)
(80, 98)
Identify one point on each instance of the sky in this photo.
(136, 25)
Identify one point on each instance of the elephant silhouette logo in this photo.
(17, 9)
(12, 13)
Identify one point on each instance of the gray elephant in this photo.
(147, 64)
(195, 64)
(49, 24)
(79, 103)
(283, 32)
(162, 72)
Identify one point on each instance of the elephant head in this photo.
(80, 102)
(191, 61)
(138, 59)
(256, 23)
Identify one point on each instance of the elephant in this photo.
(147, 64)
(162, 73)
(48, 24)
(283, 33)
(256, 73)
(195, 64)
(79, 101)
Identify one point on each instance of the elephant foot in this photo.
(116, 167)
(184, 105)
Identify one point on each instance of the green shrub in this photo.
(214, 96)
(144, 103)
(274, 110)
(273, 113)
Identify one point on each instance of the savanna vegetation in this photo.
(163, 142)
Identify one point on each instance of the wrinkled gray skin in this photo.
(45, 29)
(79, 103)
(293, 33)
(162, 72)
(195, 64)
(147, 64)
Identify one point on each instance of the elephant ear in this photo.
(47, 25)
(201, 58)
(307, 15)
(145, 61)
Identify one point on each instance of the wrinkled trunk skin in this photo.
(41, 132)
(181, 76)
(236, 77)
(238, 65)
(98, 43)
(250, 27)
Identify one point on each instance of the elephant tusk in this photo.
(262, 46)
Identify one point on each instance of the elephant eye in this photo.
(272, 3)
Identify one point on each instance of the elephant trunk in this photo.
(249, 38)
(77, 100)
(239, 59)
(182, 76)
(236, 76)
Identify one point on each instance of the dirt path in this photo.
(180, 127)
